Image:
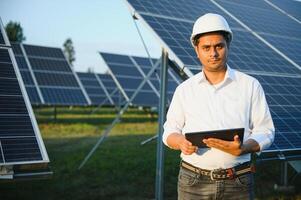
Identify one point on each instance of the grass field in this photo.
(120, 168)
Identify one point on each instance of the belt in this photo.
(221, 174)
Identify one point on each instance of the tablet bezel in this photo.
(196, 138)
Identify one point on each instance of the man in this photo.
(217, 98)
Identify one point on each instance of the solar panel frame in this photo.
(70, 91)
(31, 117)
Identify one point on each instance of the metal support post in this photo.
(162, 116)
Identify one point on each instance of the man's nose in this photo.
(214, 52)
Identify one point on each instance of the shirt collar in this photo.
(229, 75)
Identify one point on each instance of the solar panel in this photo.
(35, 96)
(172, 23)
(290, 7)
(48, 77)
(112, 89)
(266, 45)
(95, 88)
(20, 139)
(129, 72)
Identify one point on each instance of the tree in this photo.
(14, 32)
(69, 51)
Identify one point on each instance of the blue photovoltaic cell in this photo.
(26, 75)
(47, 52)
(50, 65)
(280, 75)
(93, 88)
(129, 77)
(61, 96)
(260, 17)
(54, 77)
(132, 72)
(174, 27)
(290, 7)
(172, 83)
(17, 136)
(33, 94)
(27, 78)
(284, 98)
(112, 89)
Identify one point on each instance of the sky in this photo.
(93, 26)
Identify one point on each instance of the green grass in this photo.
(119, 169)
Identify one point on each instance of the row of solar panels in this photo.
(266, 45)
(41, 75)
(50, 80)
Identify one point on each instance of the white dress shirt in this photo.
(237, 102)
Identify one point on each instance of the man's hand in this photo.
(179, 142)
(186, 147)
(234, 147)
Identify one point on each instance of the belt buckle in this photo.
(211, 174)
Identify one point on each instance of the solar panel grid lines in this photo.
(283, 96)
(27, 74)
(254, 33)
(20, 139)
(290, 7)
(112, 89)
(260, 17)
(93, 87)
(144, 76)
(104, 89)
(125, 73)
(55, 80)
(266, 45)
(118, 85)
(185, 52)
(287, 10)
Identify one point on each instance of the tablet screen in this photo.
(196, 138)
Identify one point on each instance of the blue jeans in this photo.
(192, 186)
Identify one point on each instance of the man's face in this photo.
(212, 51)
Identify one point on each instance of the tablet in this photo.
(196, 138)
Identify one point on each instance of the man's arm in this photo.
(233, 147)
(178, 141)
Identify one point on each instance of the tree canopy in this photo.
(14, 32)
(69, 51)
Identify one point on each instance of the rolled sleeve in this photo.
(263, 131)
(175, 117)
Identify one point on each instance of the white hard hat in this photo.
(210, 23)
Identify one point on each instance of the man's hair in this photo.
(225, 34)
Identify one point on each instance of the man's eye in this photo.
(206, 48)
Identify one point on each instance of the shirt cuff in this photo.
(262, 139)
(167, 133)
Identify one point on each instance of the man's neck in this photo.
(215, 77)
